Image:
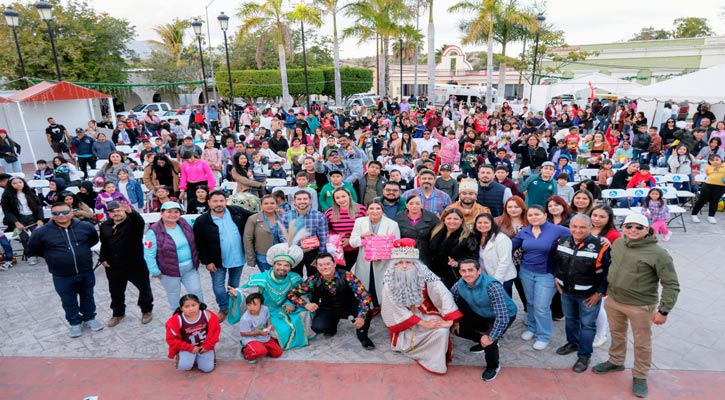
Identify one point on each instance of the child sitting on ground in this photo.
(255, 328)
(192, 333)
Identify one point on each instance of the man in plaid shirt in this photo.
(487, 313)
(433, 199)
(316, 225)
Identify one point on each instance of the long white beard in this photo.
(406, 284)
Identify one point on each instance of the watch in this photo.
(663, 312)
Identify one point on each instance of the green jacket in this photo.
(637, 269)
(538, 190)
(325, 198)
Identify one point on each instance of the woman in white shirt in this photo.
(494, 253)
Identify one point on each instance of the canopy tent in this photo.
(71, 105)
(585, 84)
(704, 85)
(56, 91)
(4, 100)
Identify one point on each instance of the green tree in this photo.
(551, 41)
(510, 24)
(269, 19)
(690, 27)
(650, 33)
(172, 38)
(483, 14)
(92, 46)
(381, 18)
(332, 7)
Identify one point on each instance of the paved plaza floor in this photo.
(38, 355)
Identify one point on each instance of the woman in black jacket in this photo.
(451, 242)
(23, 211)
(9, 153)
(417, 223)
(532, 155)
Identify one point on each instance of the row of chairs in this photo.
(669, 194)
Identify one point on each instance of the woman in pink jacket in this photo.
(195, 172)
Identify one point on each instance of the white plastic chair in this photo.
(588, 173)
(276, 182)
(101, 163)
(637, 192)
(613, 194)
(38, 183)
(17, 174)
(138, 175)
(126, 149)
(150, 218)
(229, 186)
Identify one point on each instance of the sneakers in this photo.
(490, 374)
(607, 367)
(76, 330)
(93, 325)
(241, 352)
(581, 365)
(539, 345)
(599, 340)
(666, 237)
(365, 341)
(476, 348)
(527, 335)
(639, 387)
(6, 265)
(695, 218)
(146, 317)
(114, 321)
(711, 220)
(567, 349)
(222, 315)
(32, 260)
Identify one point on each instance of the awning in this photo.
(56, 91)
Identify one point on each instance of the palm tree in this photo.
(377, 17)
(172, 38)
(408, 48)
(483, 12)
(331, 7)
(269, 18)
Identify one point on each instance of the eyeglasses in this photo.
(57, 213)
(635, 226)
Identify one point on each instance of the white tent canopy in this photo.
(598, 81)
(705, 85)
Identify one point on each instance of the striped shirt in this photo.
(343, 225)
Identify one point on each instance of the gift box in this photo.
(378, 247)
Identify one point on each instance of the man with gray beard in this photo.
(418, 309)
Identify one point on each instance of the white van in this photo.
(466, 94)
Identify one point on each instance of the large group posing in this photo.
(429, 217)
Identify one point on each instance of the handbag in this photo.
(10, 158)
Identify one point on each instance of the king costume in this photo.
(426, 299)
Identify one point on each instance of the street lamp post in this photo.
(211, 53)
(45, 10)
(540, 21)
(196, 24)
(12, 18)
(224, 23)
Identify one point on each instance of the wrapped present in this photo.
(378, 247)
(334, 247)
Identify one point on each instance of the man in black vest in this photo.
(491, 193)
(218, 234)
(335, 294)
(582, 264)
(122, 257)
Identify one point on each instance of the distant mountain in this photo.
(142, 48)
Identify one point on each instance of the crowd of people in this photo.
(429, 217)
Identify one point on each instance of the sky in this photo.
(582, 22)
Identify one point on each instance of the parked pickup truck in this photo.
(140, 110)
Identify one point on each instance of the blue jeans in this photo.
(219, 284)
(71, 289)
(172, 284)
(262, 262)
(7, 248)
(581, 322)
(603, 123)
(11, 167)
(637, 155)
(539, 289)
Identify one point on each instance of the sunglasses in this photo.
(57, 213)
(635, 226)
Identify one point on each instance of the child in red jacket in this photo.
(192, 332)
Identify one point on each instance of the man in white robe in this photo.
(418, 310)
